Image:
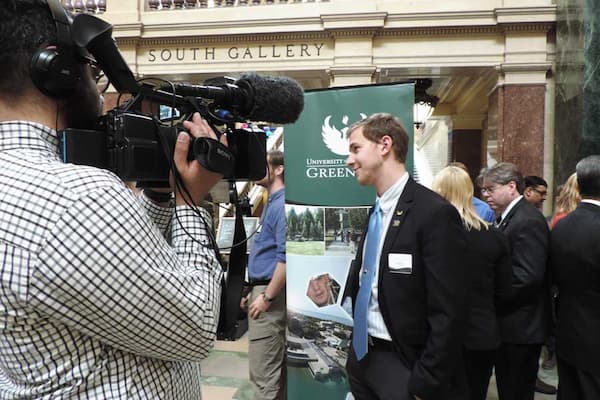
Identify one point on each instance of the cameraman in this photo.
(94, 301)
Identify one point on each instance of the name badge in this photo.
(400, 263)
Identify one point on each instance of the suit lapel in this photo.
(510, 215)
(399, 214)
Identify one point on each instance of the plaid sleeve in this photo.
(106, 271)
(161, 216)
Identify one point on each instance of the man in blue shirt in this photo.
(266, 271)
(484, 210)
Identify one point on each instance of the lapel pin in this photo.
(398, 213)
(396, 223)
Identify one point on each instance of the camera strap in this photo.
(234, 282)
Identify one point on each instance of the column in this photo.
(516, 121)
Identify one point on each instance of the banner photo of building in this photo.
(326, 213)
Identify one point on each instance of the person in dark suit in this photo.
(524, 314)
(408, 292)
(489, 272)
(575, 261)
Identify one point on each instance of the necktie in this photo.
(498, 221)
(360, 335)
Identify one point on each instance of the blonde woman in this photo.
(567, 200)
(489, 274)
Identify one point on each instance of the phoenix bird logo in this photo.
(335, 139)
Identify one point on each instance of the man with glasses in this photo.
(103, 295)
(524, 315)
(536, 190)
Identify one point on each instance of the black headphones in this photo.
(54, 71)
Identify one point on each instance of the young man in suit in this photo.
(408, 291)
(524, 315)
(575, 261)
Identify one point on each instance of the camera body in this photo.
(139, 147)
(132, 141)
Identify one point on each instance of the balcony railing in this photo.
(186, 4)
(89, 6)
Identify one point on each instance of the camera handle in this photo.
(212, 155)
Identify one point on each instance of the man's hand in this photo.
(197, 179)
(258, 306)
(244, 303)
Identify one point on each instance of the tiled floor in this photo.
(225, 374)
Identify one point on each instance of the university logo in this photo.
(336, 140)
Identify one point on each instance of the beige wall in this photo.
(472, 49)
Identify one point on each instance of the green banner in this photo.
(326, 213)
(316, 146)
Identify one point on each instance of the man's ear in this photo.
(279, 170)
(386, 142)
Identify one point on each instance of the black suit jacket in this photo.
(490, 274)
(424, 309)
(575, 260)
(524, 315)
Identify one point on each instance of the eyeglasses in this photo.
(542, 193)
(102, 81)
(489, 189)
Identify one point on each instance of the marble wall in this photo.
(516, 123)
(578, 84)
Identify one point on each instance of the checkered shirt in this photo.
(94, 302)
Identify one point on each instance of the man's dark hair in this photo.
(27, 25)
(504, 172)
(588, 176)
(378, 125)
(533, 181)
(276, 159)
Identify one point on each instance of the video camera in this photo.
(134, 142)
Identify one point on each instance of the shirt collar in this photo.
(510, 207)
(389, 198)
(595, 202)
(28, 135)
(277, 194)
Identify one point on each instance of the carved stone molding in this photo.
(354, 32)
(529, 27)
(467, 30)
(127, 41)
(236, 38)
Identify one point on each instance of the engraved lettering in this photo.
(209, 52)
(165, 55)
(304, 49)
(318, 48)
(233, 53)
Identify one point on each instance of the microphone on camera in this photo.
(258, 98)
(254, 97)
